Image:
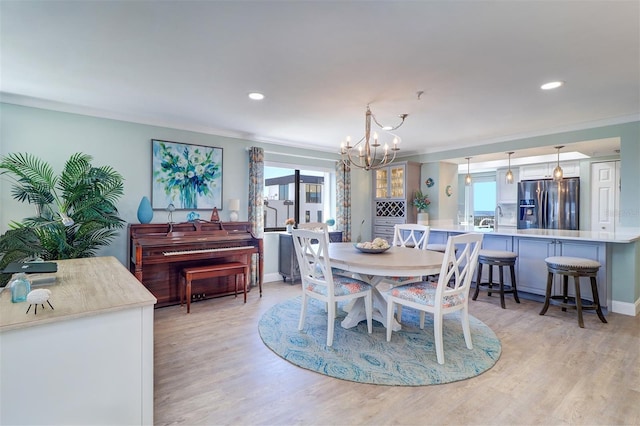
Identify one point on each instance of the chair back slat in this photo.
(313, 259)
(460, 260)
(411, 235)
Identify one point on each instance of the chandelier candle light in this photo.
(467, 178)
(361, 155)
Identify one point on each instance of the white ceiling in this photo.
(190, 65)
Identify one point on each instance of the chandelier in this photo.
(364, 154)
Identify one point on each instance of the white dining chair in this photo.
(408, 235)
(319, 226)
(449, 294)
(411, 235)
(320, 283)
(314, 226)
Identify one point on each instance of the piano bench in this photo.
(212, 271)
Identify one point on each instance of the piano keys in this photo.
(158, 252)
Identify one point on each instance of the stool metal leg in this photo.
(501, 272)
(513, 283)
(490, 279)
(565, 291)
(596, 299)
(547, 296)
(578, 301)
(478, 279)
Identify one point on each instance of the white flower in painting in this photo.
(190, 174)
(182, 162)
(199, 169)
(178, 176)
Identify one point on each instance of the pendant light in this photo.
(509, 175)
(467, 178)
(557, 172)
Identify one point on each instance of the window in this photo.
(313, 193)
(481, 200)
(304, 195)
(283, 192)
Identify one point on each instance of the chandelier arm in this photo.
(367, 158)
(402, 117)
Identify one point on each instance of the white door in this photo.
(603, 196)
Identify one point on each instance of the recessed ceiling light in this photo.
(256, 96)
(552, 85)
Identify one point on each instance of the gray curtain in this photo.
(343, 202)
(256, 207)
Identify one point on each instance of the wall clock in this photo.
(429, 182)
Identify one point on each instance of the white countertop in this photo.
(623, 236)
(87, 286)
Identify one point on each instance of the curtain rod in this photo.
(286, 154)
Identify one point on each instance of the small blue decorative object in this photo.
(331, 222)
(20, 287)
(193, 216)
(145, 212)
(429, 182)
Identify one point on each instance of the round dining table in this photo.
(374, 267)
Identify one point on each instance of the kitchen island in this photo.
(87, 361)
(618, 253)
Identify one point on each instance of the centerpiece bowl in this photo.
(372, 250)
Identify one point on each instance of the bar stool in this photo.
(575, 267)
(500, 259)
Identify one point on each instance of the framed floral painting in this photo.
(187, 176)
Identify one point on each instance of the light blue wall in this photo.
(54, 136)
(443, 208)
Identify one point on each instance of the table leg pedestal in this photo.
(357, 312)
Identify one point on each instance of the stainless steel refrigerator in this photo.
(546, 204)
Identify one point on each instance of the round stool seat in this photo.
(497, 255)
(499, 259)
(437, 247)
(571, 263)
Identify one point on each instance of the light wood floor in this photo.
(212, 368)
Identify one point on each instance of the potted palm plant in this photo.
(76, 211)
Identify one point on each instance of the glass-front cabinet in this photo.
(390, 182)
(393, 187)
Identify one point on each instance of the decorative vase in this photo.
(423, 218)
(145, 212)
(20, 287)
(289, 228)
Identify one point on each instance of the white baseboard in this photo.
(625, 308)
(268, 278)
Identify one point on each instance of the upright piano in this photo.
(159, 251)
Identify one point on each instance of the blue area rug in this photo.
(409, 359)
